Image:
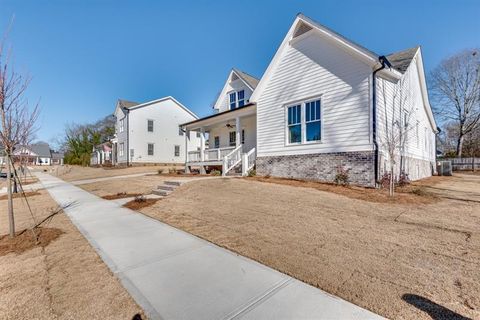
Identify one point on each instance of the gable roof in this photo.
(401, 60)
(250, 80)
(140, 105)
(126, 104)
(41, 149)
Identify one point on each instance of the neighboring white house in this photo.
(38, 154)
(320, 106)
(101, 154)
(149, 133)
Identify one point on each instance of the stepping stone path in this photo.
(167, 188)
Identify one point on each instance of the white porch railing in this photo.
(248, 161)
(209, 154)
(232, 159)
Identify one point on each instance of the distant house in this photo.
(38, 154)
(102, 154)
(322, 104)
(149, 133)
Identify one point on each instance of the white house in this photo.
(322, 104)
(149, 133)
(38, 154)
(101, 154)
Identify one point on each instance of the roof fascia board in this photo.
(423, 85)
(225, 85)
(243, 80)
(138, 106)
(220, 117)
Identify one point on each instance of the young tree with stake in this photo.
(16, 118)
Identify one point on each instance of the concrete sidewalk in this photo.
(175, 275)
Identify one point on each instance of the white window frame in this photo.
(121, 125)
(148, 149)
(237, 104)
(215, 139)
(148, 125)
(230, 134)
(302, 103)
(175, 153)
(121, 149)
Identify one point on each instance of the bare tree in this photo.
(17, 119)
(455, 88)
(397, 116)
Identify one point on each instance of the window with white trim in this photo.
(232, 138)
(150, 149)
(216, 142)
(177, 151)
(121, 125)
(243, 136)
(304, 122)
(150, 125)
(312, 121)
(236, 99)
(121, 149)
(295, 124)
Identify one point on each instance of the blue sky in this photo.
(84, 55)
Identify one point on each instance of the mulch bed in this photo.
(410, 194)
(121, 195)
(139, 204)
(24, 240)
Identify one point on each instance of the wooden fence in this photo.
(459, 164)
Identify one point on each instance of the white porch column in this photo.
(238, 133)
(187, 136)
(202, 144)
(202, 149)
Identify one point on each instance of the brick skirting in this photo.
(320, 166)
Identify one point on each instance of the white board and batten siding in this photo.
(166, 115)
(314, 67)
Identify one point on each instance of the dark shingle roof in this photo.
(126, 104)
(251, 80)
(41, 149)
(401, 60)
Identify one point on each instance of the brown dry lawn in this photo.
(73, 173)
(64, 279)
(387, 257)
(133, 185)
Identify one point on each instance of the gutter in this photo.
(128, 136)
(385, 63)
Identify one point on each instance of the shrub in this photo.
(252, 173)
(342, 177)
(403, 179)
(172, 170)
(385, 180)
(215, 173)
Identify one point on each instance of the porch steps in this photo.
(167, 188)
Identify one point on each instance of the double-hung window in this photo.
(177, 151)
(217, 142)
(312, 121)
(121, 149)
(150, 125)
(295, 124)
(121, 125)
(150, 149)
(304, 122)
(236, 99)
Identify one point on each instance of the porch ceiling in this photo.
(220, 119)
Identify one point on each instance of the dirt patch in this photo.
(370, 253)
(411, 194)
(140, 204)
(25, 240)
(64, 280)
(20, 195)
(121, 195)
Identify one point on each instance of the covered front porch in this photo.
(227, 141)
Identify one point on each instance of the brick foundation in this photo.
(320, 166)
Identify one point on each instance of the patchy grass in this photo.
(404, 195)
(25, 240)
(120, 195)
(137, 204)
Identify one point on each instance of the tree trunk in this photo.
(392, 181)
(9, 197)
(460, 146)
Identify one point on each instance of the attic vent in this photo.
(234, 77)
(301, 29)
